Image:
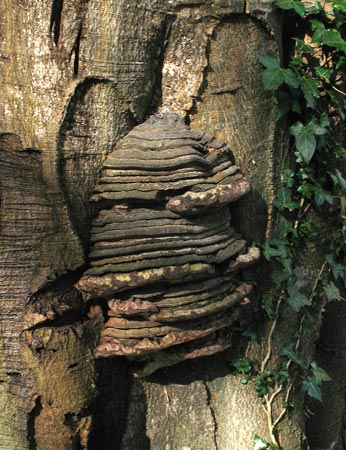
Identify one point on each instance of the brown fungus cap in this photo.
(164, 256)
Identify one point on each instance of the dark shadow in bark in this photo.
(207, 368)
(324, 426)
(135, 433)
(78, 161)
(55, 19)
(75, 50)
(35, 412)
(110, 408)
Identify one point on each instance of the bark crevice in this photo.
(35, 412)
(212, 413)
(55, 20)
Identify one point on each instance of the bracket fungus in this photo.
(164, 255)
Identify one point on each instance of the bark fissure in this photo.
(75, 50)
(35, 412)
(55, 20)
(212, 413)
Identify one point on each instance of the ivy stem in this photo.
(338, 90)
(301, 204)
(269, 413)
(318, 279)
(270, 334)
(284, 410)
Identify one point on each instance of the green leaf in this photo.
(332, 292)
(324, 73)
(340, 152)
(305, 189)
(274, 248)
(267, 304)
(314, 9)
(269, 62)
(334, 39)
(341, 61)
(259, 444)
(296, 107)
(284, 200)
(281, 376)
(288, 177)
(289, 78)
(337, 268)
(310, 90)
(242, 365)
(331, 37)
(338, 179)
(340, 5)
(305, 140)
(321, 196)
(280, 276)
(319, 127)
(303, 47)
(274, 77)
(297, 5)
(319, 373)
(251, 334)
(291, 354)
(311, 387)
(296, 299)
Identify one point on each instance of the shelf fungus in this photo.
(164, 256)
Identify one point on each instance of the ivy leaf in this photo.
(267, 304)
(319, 127)
(310, 91)
(321, 196)
(319, 373)
(337, 268)
(331, 37)
(296, 299)
(291, 354)
(340, 5)
(334, 39)
(323, 122)
(303, 47)
(311, 387)
(297, 5)
(259, 444)
(340, 62)
(324, 73)
(284, 200)
(274, 248)
(305, 140)
(274, 77)
(284, 274)
(269, 62)
(288, 177)
(340, 152)
(332, 292)
(338, 179)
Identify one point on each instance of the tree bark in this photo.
(75, 76)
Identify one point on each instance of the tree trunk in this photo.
(75, 76)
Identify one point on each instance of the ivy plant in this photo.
(310, 92)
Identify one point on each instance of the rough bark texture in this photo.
(75, 76)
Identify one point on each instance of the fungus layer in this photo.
(164, 256)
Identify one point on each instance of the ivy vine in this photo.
(310, 92)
